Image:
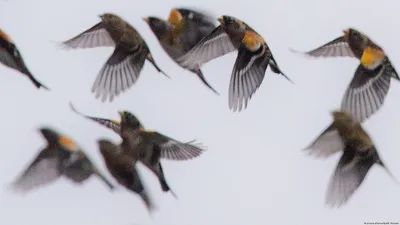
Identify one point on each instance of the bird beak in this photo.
(146, 19)
(221, 19)
(346, 32)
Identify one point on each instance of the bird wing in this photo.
(326, 144)
(96, 36)
(214, 45)
(111, 124)
(348, 176)
(338, 47)
(174, 150)
(247, 76)
(42, 171)
(119, 73)
(196, 26)
(366, 92)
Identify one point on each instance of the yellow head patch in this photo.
(4, 36)
(175, 17)
(67, 143)
(252, 41)
(372, 57)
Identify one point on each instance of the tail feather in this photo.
(275, 69)
(37, 83)
(150, 58)
(164, 185)
(105, 180)
(203, 79)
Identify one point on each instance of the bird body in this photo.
(150, 146)
(359, 154)
(12, 58)
(61, 157)
(124, 66)
(180, 33)
(252, 60)
(122, 168)
(367, 90)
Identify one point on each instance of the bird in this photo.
(114, 125)
(124, 66)
(122, 168)
(61, 157)
(359, 154)
(11, 57)
(180, 33)
(251, 63)
(370, 85)
(171, 149)
(151, 146)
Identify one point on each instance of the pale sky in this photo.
(254, 171)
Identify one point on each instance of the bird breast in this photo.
(371, 58)
(252, 41)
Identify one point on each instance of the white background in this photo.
(254, 171)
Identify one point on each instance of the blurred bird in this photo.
(367, 90)
(170, 149)
(183, 30)
(123, 67)
(11, 57)
(122, 167)
(61, 157)
(150, 146)
(359, 155)
(111, 124)
(252, 60)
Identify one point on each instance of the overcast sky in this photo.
(254, 171)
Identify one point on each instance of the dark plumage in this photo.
(252, 61)
(11, 57)
(367, 90)
(183, 30)
(358, 155)
(124, 66)
(61, 157)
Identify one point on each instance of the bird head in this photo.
(109, 18)
(5, 37)
(232, 23)
(157, 25)
(128, 120)
(53, 138)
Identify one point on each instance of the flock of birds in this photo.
(191, 39)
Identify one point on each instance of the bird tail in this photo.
(37, 83)
(150, 58)
(203, 79)
(164, 185)
(275, 69)
(104, 179)
(380, 162)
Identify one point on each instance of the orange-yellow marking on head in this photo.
(252, 41)
(372, 57)
(175, 17)
(4, 36)
(67, 143)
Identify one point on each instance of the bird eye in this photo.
(228, 20)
